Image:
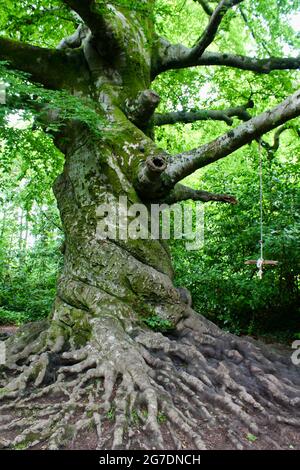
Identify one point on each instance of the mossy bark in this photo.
(129, 279)
(96, 353)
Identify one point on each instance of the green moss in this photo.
(21, 446)
(81, 329)
(56, 329)
(144, 309)
(31, 437)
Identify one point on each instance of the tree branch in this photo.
(204, 115)
(74, 40)
(148, 181)
(93, 17)
(253, 34)
(183, 193)
(178, 56)
(186, 163)
(210, 32)
(206, 6)
(52, 68)
(272, 149)
(277, 135)
(88, 12)
(141, 110)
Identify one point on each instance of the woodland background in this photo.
(223, 288)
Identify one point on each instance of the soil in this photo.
(216, 438)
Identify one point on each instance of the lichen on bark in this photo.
(96, 352)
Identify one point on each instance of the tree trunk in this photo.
(129, 280)
(97, 355)
(176, 386)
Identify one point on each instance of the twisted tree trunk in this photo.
(96, 357)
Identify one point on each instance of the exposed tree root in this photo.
(149, 385)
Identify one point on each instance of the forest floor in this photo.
(215, 438)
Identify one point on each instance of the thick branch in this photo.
(88, 12)
(186, 163)
(75, 40)
(92, 15)
(204, 115)
(52, 68)
(140, 110)
(209, 34)
(183, 193)
(178, 56)
(148, 181)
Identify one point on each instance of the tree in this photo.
(96, 352)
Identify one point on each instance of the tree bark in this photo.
(97, 354)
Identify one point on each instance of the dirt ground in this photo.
(215, 438)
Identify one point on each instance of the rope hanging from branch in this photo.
(261, 241)
(261, 262)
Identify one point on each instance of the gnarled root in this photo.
(141, 389)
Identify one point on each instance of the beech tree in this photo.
(95, 353)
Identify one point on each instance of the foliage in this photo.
(34, 101)
(27, 290)
(157, 323)
(30, 236)
(223, 288)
